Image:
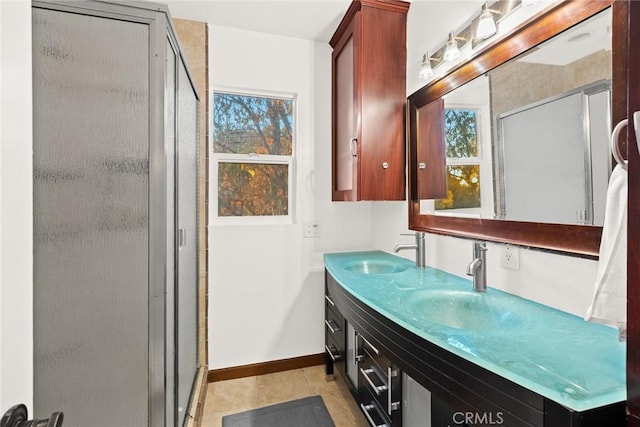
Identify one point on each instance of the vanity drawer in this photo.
(334, 326)
(333, 322)
(374, 414)
(372, 352)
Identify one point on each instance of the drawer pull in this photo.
(329, 300)
(333, 326)
(391, 406)
(333, 357)
(370, 345)
(376, 388)
(366, 409)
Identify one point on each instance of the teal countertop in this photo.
(575, 363)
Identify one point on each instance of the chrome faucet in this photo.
(418, 246)
(478, 267)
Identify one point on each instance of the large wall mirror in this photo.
(522, 135)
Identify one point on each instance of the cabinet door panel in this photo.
(352, 355)
(428, 151)
(382, 80)
(345, 137)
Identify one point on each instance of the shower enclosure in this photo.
(115, 221)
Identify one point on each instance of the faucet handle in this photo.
(478, 248)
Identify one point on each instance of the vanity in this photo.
(488, 358)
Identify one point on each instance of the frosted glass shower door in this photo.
(544, 150)
(186, 290)
(91, 218)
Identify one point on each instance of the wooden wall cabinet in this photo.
(368, 97)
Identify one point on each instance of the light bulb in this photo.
(426, 72)
(486, 25)
(452, 52)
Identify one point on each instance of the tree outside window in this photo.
(463, 160)
(253, 141)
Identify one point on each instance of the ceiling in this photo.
(306, 19)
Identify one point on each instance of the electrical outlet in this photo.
(510, 257)
(311, 229)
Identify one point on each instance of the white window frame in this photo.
(486, 184)
(253, 158)
(467, 161)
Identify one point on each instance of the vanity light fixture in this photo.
(426, 72)
(451, 52)
(486, 24)
(475, 32)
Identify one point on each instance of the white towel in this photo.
(609, 305)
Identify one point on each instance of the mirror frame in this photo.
(578, 240)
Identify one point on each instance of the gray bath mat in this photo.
(306, 412)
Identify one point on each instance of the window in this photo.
(253, 145)
(463, 160)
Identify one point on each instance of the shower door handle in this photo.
(182, 237)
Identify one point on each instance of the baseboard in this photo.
(265, 367)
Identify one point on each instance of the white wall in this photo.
(559, 281)
(16, 259)
(266, 281)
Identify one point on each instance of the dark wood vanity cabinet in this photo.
(460, 390)
(368, 97)
(373, 379)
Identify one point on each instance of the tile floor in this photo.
(231, 396)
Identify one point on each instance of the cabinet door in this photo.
(416, 404)
(352, 356)
(427, 146)
(345, 135)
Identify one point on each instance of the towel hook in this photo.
(615, 149)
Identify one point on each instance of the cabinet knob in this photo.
(385, 165)
(422, 165)
(354, 147)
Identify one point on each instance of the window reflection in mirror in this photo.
(528, 141)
